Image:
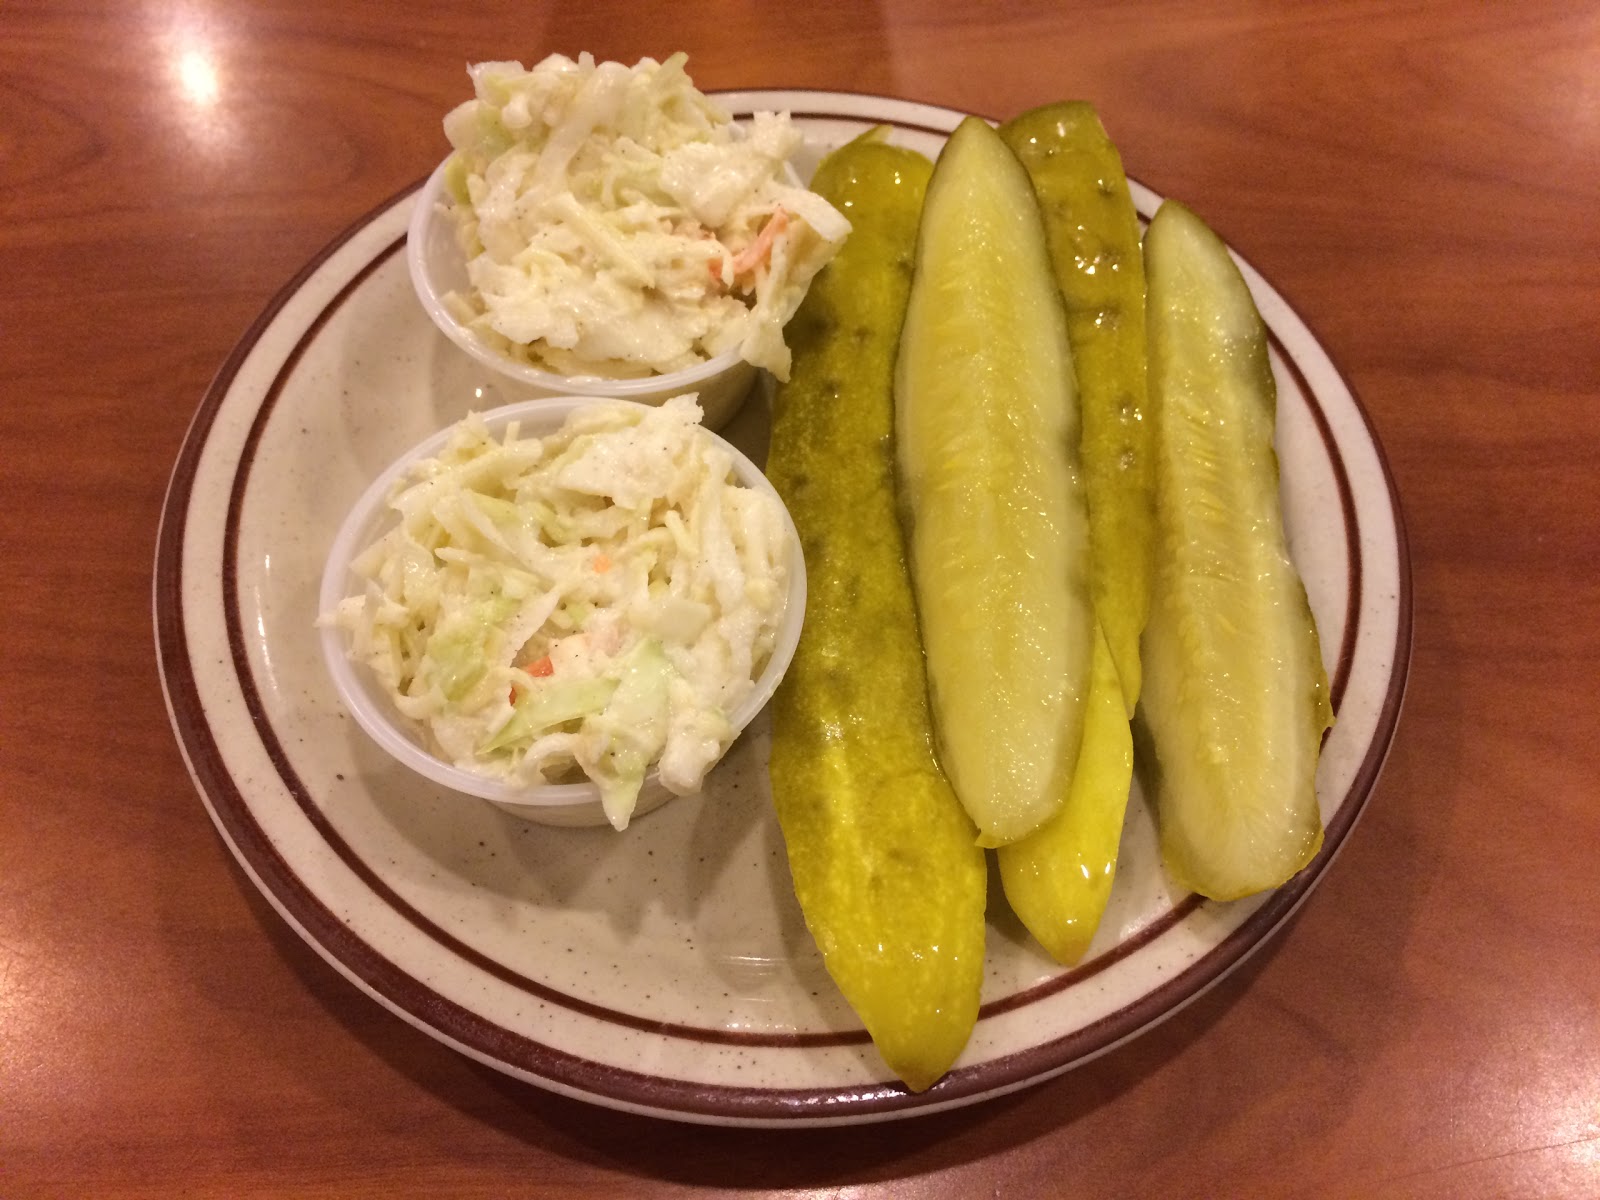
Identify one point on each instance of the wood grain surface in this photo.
(1419, 179)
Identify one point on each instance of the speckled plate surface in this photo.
(666, 970)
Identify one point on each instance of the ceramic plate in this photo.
(666, 970)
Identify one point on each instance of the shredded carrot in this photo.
(602, 563)
(759, 250)
(538, 669)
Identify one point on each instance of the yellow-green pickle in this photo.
(986, 429)
(1093, 232)
(1058, 879)
(885, 861)
(1235, 693)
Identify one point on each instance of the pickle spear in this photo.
(1093, 231)
(1235, 694)
(884, 860)
(986, 432)
(1058, 878)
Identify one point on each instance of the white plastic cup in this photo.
(365, 699)
(438, 267)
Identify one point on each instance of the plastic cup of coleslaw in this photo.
(438, 267)
(366, 699)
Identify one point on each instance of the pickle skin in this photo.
(884, 860)
(1093, 232)
(1235, 695)
(1058, 878)
(986, 430)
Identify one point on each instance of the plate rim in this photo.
(631, 1091)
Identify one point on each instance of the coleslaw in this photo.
(618, 223)
(597, 600)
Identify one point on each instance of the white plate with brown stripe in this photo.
(665, 970)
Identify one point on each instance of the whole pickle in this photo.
(1093, 231)
(884, 860)
(1058, 878)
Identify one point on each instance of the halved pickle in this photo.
(1235, 693)
(986, 429)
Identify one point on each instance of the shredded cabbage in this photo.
(600, 599)
(616, 223)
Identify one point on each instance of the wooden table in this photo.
(1419, 180)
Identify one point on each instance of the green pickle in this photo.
(1093, 232)
(1058, 878)
(1235, 692)
(884, 859)
(986, 429)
